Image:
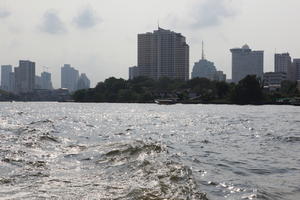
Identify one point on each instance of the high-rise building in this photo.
(296, 64)
(283, 63)
(207, 69)
(246, 62)
(46, 81)
(133, 72)
(163, 53)
(25, 77)
(69, 77)
(204, 69)
(38, 82)
(12, 82)
(5, 77)
(83, 82)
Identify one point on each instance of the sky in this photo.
(99, 37)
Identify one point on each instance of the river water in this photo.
(144, 151)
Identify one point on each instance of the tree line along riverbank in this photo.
(250, 90)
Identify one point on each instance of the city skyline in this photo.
(84, 33)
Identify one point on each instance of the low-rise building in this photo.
(220, 76)
(274, 78)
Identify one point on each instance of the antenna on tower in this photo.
(203, 55)
(158, 24)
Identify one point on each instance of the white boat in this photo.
(165, 101)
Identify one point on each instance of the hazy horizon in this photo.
(99, 37)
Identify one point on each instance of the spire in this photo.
(203, 55)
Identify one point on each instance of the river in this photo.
(148, 151)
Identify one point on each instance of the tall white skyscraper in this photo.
(69, 77)
(25, 77)
(5, 77)
(163, 53)
(246, 62)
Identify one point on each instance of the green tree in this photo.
(222, 89)
(248, 91)
(289, 88)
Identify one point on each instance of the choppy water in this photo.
(131, 151)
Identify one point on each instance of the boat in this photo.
(165, 101)
(295, 101)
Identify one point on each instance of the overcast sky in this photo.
(99, 37)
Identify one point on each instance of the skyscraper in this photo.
(12, 82)
(163, 53)
(246, 62)
(25, 77)
(296, 64)
(69, 77)
(204, 68)
(83, 82)
(283, 63)
(5, 77)
(38, 82)
(207, 69)
(46, 81)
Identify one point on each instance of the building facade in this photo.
(46, 81)
(38, 82)
(163, 53)
(12, 82)
(274, 78)
(246, 62)
(283, 63)
(204, 69)
(83, 82)
(220, 76)
(5, 78)
(25, 77)
(296, 66)
(133, 72)
(69, 77)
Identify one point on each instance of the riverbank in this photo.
(195, 91)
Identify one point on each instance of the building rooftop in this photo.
(246, 46)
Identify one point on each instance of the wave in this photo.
(149, 172)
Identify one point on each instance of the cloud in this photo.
(211, 13)
(87, 18)
(4, 13)
(52, 23)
